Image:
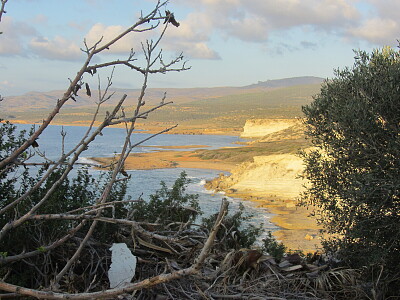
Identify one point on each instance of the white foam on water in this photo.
(86, 160)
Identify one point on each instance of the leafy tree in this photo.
(354, 168)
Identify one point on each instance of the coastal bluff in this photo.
(272, 176)
(272, 180)
(258, 128)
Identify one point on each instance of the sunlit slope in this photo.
(206, 114)
(232, 111)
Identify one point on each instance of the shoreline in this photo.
(297, 230)
(150, 129)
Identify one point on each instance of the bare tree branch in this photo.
(84, 220)
(2, 7)
(149, 282)
(74, 83)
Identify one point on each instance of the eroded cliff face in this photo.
(272, 176)
(273, 181)
(259, 128)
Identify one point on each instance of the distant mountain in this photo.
(286, 82)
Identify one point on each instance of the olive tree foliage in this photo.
(353, 169)
(52, 211)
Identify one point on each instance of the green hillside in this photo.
(208, 112)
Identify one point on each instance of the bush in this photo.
(354, 169)
(273, 247)
(234, 232)
(169, 205)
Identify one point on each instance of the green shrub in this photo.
(74, 192)
(234, 233)
(273, 247)
(168, 205)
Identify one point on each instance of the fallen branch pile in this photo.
(186, 262)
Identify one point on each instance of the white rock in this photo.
(123, 265)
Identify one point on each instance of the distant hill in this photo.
(45, 100)
(286, 82)
(195, 109)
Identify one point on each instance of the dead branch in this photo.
(73, 160)
(149, 282)
(136, 226)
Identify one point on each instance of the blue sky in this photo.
(226, 42)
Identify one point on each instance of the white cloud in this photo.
(320, 13)
(255, 20)
(107, 33)
(388, 9)
(378, 31)
(12, 39)
(191, 37)
(380, 24)
(58, 48)
(373, 21)
(196, 50)
(250, 28)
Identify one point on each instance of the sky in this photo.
(226, 42)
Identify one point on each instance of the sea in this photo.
(145, 182)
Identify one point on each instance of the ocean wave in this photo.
(86, 160)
